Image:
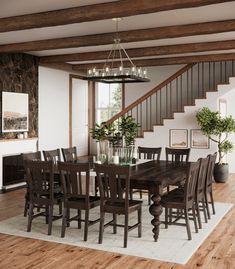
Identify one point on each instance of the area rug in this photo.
(172, 245)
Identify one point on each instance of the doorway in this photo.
(79, 131)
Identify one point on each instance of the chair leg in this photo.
(79, 218)
(204, 210)
(187, 224)
(47, 213)
(195, 219)
(126, 230)
(64, 222)
(60, 207)
(86, 224)
(114, 223)
(26, 206)
(198, 215)
(101, 231)
(166, 217)
(68, 217)
(212, 203)
(131, 194)
(207, 206)
(149, 198)
(50, 219)
(30, 217)
(140, 222)
(141, 194)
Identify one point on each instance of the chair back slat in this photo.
(190, 183)
(202, 175)
(149, 153)
(73, 182)
(177, 155)
(52, 155)
(112, 180)
(40, 178)
(211, 165)
(69, 154)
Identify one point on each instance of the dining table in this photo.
(153, 176)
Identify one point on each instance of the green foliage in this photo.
(217, 129)
(125, 130)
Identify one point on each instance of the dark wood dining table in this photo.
(155, 176)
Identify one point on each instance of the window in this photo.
(108, 101)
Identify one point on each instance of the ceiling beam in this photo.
(143, 52)
(165, 61)
(125, 36)
(95, 12)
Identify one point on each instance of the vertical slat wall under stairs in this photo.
(181, 89)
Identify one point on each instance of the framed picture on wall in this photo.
(198, 139)
(178, 138)
(15, 110)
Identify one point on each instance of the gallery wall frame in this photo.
(198, 140)
(178, 138)
(15, 112)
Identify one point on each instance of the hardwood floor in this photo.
(218, 251)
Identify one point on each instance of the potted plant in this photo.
(217, 129)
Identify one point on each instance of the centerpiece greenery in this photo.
(217, 129)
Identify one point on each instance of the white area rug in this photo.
(172, 245)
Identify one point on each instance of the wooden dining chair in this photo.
(76, 190)
(200, 189)
(177, 155)
(208, 185)
(112, 181)
(40, 179)
(52, 155)
(183, 199)
(29, 156)
(150, 154)
(69, 154)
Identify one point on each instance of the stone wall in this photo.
(19, 73)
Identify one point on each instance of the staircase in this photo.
(182, 89)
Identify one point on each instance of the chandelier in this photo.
(115, 70)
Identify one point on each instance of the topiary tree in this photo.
(217, 129)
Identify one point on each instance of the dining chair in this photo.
(69, 154)
(52, 155)
(29, 156)
(76, 190)
(200, 189)
(113, 180)
(40, 179)
(183, 199)
(208, 186)
(177, 155)
(150, 154)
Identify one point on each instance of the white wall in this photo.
(156, 74)
(53, 108)
(230, 97)
(187, 120)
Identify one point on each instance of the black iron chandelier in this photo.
(115, 70)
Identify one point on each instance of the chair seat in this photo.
(119, 206)
(173, 198)
(80, 201)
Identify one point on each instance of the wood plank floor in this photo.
(217, 252)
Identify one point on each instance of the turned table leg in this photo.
(156, 210)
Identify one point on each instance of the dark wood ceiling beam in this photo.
(101, 11)
(125, 36)
(165, 61)
(143, 52)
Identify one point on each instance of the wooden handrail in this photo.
(151, 92)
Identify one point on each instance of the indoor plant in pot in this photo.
(217, 129)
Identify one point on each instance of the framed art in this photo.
(15, 110)
(178, 138)
(199, 140)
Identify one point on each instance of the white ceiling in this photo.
(215, 12)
